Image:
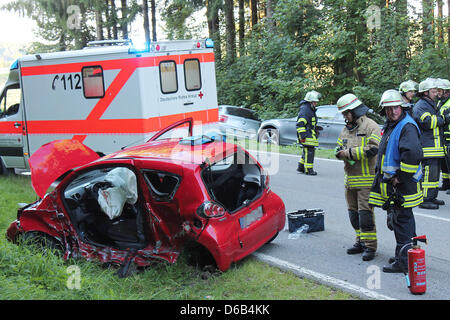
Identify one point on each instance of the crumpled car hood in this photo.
(54, 159)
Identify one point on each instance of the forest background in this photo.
(269, 53)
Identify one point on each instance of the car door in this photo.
(165, 222)
(12, 129)
(326, 120)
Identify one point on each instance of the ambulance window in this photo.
(10, 101)
(192, 74)
(168, 76)
(93, 84)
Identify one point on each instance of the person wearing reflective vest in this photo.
(358, 147)
(396, 187)
(444, 111)
(307, 132)
(431, 124)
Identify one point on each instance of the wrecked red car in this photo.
(145, 202)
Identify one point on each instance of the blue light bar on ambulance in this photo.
(139, 49)
(209, 43)
(15, 65)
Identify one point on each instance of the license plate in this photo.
(253, 216)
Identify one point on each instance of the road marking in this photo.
(431, 216)
(291, 155)
(322, 277)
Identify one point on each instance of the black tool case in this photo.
(314, 218)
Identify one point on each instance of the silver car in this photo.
(238, 122)
(284, 131)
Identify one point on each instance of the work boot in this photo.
(438, 202)
(368, 254)
(301, 168)
(357, 248)
(391, 260)
(392, 268)
(428, 205)
(311, 172)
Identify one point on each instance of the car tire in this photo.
(42, 241)
(269, 136)
(273, 238)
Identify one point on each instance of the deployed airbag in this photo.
(124, 189)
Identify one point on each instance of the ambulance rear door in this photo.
(12, 125)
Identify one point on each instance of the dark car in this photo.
(284, 131)
(144, 203)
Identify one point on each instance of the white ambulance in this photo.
(106, 96)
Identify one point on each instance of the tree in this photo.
(230, 31)
(146, 21)
(427, 23)
(153, 10)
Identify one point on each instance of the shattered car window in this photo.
(162, 184)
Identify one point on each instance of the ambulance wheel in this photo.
(269, 136)
(3, 170)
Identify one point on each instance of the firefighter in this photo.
(444, 111)
(431, 124)
(307, 131)
(408, 90)
(358, 147)
(396, 187)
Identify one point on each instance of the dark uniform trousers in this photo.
(431, 176)
(404, 229)
(362, 216)
(307, 159)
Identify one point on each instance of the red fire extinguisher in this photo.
(416, 277)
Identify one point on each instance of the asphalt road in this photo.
(322, 255)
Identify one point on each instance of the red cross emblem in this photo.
(200, 95)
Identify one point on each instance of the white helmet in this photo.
(427, 84)
(348, 102)
(409, 85)
(312, 96)
(392, 98)
(443, 84)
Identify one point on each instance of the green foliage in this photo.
(328, 48)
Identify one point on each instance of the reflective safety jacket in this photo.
(362, 142)
(446, 127)
(306, 124)
(410, 156)
(431, 124)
